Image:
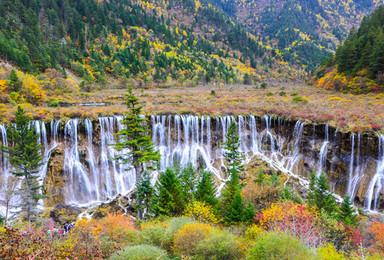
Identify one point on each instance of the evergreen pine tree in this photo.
(236, 209)
(275, 180)
(311, 190)
(320, 196)
(260, 178)
(169, 200)
(144, 193)
(136, 137)
(14, 82)
(346, 213)
(25, 156)
(377, 56)
(249, 213)
(187, 177)
(232, 154)
(234, 160)
(206, 189)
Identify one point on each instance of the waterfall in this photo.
(377, 182)
(4, 164)
(91, 173)
(322, 158)
(79, 188)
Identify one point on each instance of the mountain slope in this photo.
(150, 41)
(358, 64)
(167, 42)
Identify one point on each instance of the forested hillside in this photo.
(358, 64)
(160, 40)
(304, 31)
(152, 41)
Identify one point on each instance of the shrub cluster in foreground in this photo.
(282, 227)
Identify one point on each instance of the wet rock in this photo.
(63, 214)
(54, 181)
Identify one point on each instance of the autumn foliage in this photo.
(377, 230)
(294, 218)
(189, 236)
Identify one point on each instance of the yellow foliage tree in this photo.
(187, 238)
(201, 212)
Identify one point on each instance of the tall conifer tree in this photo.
(26, 159)
(136, 138)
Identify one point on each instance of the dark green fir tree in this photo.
(144, 193)
(233, 158)
(136, 138)
(347, 212)
(169, 200)
(236, 209)
(249, 213)
(206, 189)
(320, 196)
(25, 156)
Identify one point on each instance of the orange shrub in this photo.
(377, 229)
(293, 218)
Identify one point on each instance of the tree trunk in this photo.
(138, 178)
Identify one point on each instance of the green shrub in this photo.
(263, 85)
(53, 102)
(220, 245)
(269, 94)
(213, 92)
(282, 94)
(300, 99)
(294, 94)
(174, 225)
(161, 236)
(280, 246)
(153, 235)
(141, 252)
(14, 96)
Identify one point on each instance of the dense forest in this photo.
(358, 64)
(303, 31)
(149, 40)
(164, 40)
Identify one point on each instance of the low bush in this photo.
(186, 240)
(173, 226)
(153, 235)
(220, 245)
(329, 252)
(162, 234)
(53, 102)
(300, 99)
(276, 246)
(140, 252)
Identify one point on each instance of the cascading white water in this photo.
(4, 164)
(323, 153)
(377, 182)
(92, 175)
(78, 188)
